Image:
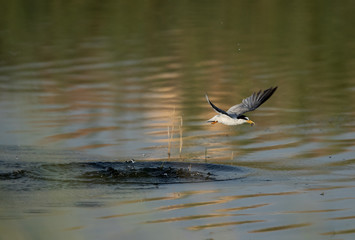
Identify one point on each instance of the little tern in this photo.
(234, 115)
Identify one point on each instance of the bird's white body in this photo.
(226, 120)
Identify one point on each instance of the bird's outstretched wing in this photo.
(215, 107)
(251, 103)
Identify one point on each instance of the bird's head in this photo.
(245, 119)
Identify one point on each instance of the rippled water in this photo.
(84, 90)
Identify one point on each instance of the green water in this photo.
(90, 81)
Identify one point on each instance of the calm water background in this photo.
(115, 80)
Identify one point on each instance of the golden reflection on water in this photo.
(193, 217)
(74, 228)
(77, 133)
(328, 188)
(189, 205)
(317, 211)
(231, 198)
(223, 224)
(124, 215)
(347, 231)
(170, 196)
(243, 207)
(280, 228)
(224, 213)
(92, 146)
(341, 218)
(226, 199)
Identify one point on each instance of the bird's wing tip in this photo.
(206, 96)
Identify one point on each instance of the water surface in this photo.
(84, 83)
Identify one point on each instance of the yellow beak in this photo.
(251, 122)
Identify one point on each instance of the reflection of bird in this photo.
(234, 115)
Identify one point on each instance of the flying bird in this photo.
(234, 115)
